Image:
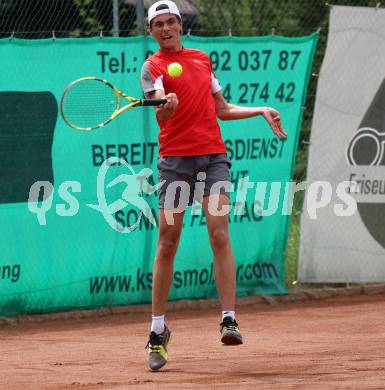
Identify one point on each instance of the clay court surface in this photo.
(337, 343)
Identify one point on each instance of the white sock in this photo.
(157, 324)
(228, 313)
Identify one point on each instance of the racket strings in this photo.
(89, 104)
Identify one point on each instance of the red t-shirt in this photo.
(193, 129)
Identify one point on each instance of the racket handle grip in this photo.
(153, 102)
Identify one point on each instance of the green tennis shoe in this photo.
(157, 349)
(230, 332)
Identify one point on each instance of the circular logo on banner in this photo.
(367, 149)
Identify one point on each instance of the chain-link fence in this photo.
(85, 18)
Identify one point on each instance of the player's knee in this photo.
(219, 238)
(168, 246)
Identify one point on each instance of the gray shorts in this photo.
(189, 179)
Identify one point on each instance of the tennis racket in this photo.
(90, 103)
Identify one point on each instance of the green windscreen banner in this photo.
(77, 231)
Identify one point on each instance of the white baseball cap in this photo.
(162, 7)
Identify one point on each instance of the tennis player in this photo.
(191, 148)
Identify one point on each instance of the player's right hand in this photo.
(164, 111)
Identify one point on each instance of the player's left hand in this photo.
(274, 120)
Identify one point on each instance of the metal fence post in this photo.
(115, 16)
(140, 16)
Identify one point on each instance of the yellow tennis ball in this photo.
(175, 69)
